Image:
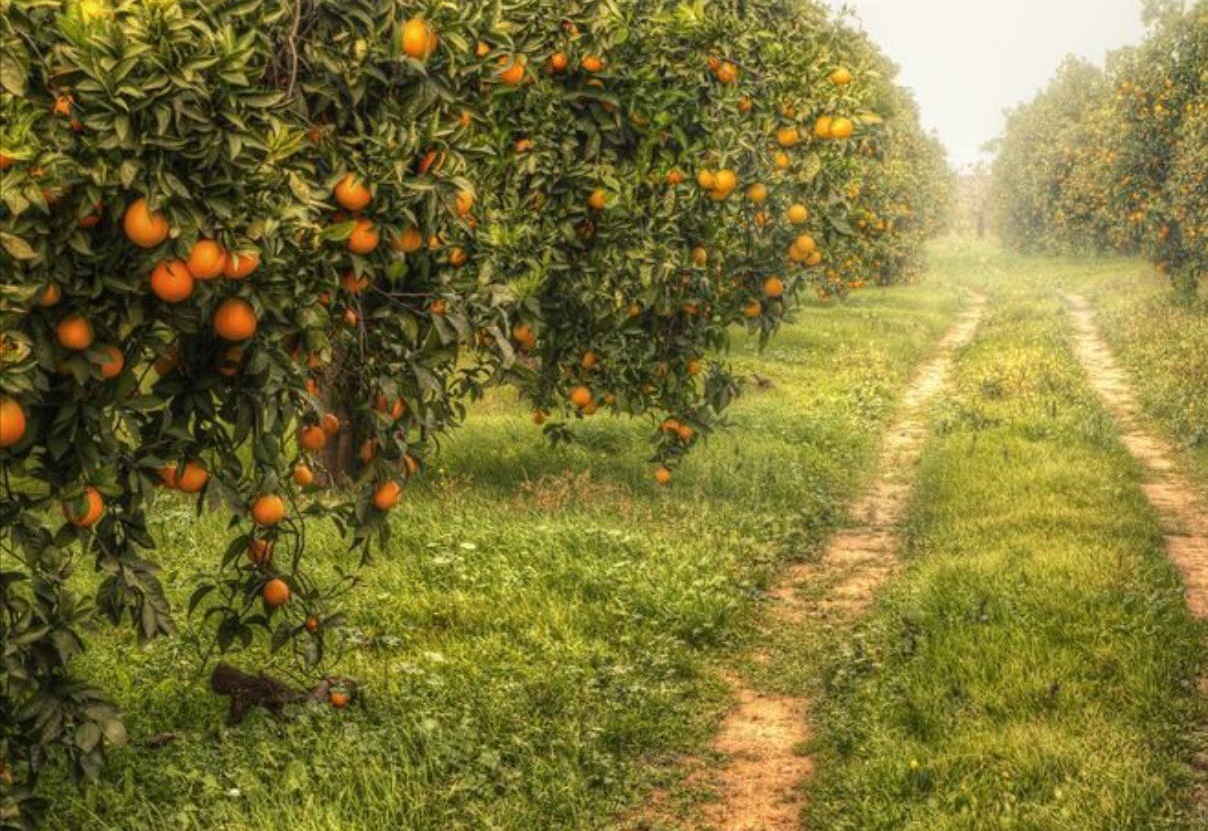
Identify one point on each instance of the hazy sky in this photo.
(968, 60)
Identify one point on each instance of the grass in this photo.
(540, 641)
(1034, 666)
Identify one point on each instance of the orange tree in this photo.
(1116, 161)
(238, 235)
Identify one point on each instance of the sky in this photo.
(969, 60)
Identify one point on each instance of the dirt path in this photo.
(760, 783)
(1184, 518)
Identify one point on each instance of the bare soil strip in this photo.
(760, 784)
(1181, 509)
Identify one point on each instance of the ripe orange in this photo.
(798, 214)
(50, 296)
(773, 287)
(6, 161)
(74, 332)
(410, 465)
(686, 432)
(589, 360)
(12, 421)
(387, 495)
(338, 699)
(581, 397)
(312, 624)
(364, 237)
(511, 70)
(805, 243)
(841, 77)
(726, 72)
(330, 423)
(144, 227)
(457, 257)
(367, 451)
(172, 281)
(240, 264)
(351, 193)
(558, 61)
(693, 367)
(465, 202)
(207, 259)
(822, 127)
(591, 63)
(706, 180)
(539, 417)
(662, 476)
(727, 181)
(745, 104)
(268, 509)
(259, 551)
(396, 409)
(700, 256)
(675, 177)
(752, 309)
(112, 367)
(354, 283)
(788, 136)
(312, 438)
(303, 475)
(757, 193)
(276, 592)
(95, 507)
(523, 333)
(782, 161)
(597, 200)
(229, 362)
(419, 38)
(235, 319)
(669, 425)
(841, 128)
(409, 240)
(193, 478)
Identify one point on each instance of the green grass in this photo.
(540, 641)
(1034, 666)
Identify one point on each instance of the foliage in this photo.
(1116, 160)
(230, 224)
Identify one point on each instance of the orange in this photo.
(662, 476)
(539, 417)
(74, 332)
(240, 264)
(144, 227)
(805, 243)
(706, 180)
(6, 161)
(841, 77)
(338, 699)
(303, 475)
(782, 161)
(745, 104)
(354, 283)
(511, 70)
(364, 237)
(96, 507)
(457, 257)
(591, 63)
(419, 38)
(675, 177)
(409, 241)
(523, 333)
(112, 367)
(172, 281)
(312, 438)
(465, 202)
(12, 421)
(788, 136)
(50, 296)
(235, 319)
(693, 367)
(312, 624)
(259, 551)
(193, 478)
(387, 495)
(822, 127)
(589, 360)
(669, 425)
(395, 410)
(558, 61)
(773, 287)
(438, 308)
(686, 432)
(276, 592)
(581, 397)
(726, 180)
(597, 200)
(752, 309)
(700, 257)
(410, 465)
(798, 214)
(726, 72)
(351, 193)
(330, 423)
(207, 259)
(268, 509)
(367, 451)
(229, 361)
(757, 193)
(841, 128)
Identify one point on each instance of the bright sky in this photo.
(968, 60)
